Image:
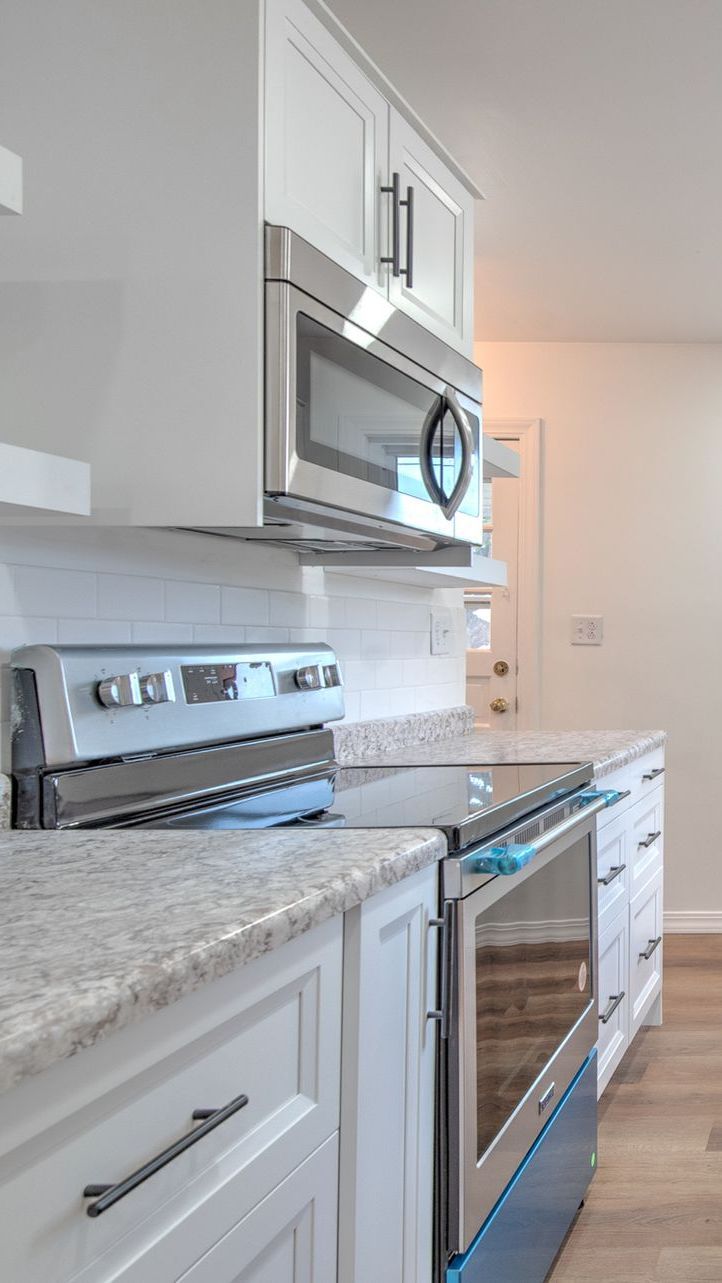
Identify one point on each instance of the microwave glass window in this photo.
(358, 416)
(533, 982)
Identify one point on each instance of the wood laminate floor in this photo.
(654, 1209)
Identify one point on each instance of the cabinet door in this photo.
(646, 839)
(289, 1237)
(613, 872)
(326, 142)
(645, 951)
(440, 296)
(613, 998)
(387, 1093)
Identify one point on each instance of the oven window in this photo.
(533, 982)
(358, 416)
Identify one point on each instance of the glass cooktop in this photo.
(468, 803)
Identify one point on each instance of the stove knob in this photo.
(308, 679)
(120, 692)
(157, 688)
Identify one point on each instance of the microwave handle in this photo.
(450, 504)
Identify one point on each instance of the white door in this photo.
(326, 143)
(440, 293)
(491, 616)
(387, 1111)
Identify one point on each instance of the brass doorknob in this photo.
(499, 705)
(501, 668)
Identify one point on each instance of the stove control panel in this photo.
(122, 691)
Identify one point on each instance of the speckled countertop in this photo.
(100, 929)
(608, 750)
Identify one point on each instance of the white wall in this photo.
(110, 585)
(633, 531)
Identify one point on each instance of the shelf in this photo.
(499, 460)
(33, 482)
(11, 182)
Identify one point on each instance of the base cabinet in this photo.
(630, 845)
(387, 1112)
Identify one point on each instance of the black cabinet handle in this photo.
(107, 1195)
(614, 1002)
(395, 192)
(653, 944)
(408, 271)
(613, 873)
(652, 775)
(650, 839)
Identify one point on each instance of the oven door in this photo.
(354, 426)
(525, 1016)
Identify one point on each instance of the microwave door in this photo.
(346, 416)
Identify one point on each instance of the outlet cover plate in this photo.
(442, 628)
(587, 630)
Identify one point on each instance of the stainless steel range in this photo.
(237, 738)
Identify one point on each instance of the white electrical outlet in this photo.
(587, 630)
(442, 628)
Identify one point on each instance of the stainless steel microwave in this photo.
(373, 426)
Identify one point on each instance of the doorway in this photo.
(503, 657)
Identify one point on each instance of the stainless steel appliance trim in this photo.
(119, 791)
(291, 259)
(299, 479)
(477, 1184)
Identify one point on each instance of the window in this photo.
(478, 621)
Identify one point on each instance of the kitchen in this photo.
(210, 1036)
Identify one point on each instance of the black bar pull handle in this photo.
(107, 1195)
(614, 1002)
(408, 271)
(653, 944)
(613, 873)
(652, 775)
(650, 839)
(395, 192)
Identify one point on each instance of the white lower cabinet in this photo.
(613, 997)
(645, 963)
(289, 1237)
(630, 846)
(387, 1113)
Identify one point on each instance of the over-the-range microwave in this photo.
(373, 430)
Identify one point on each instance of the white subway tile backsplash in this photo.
(157, 587)
(244, 606)
(93, 632)
(160, 633)
(51, 591)
(130, 597)
(192, 603)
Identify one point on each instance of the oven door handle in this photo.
(510, 857)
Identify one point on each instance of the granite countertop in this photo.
(608, 750)
(100, 929)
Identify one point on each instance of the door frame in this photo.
(529, 434)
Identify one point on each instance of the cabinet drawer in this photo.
(613, 997)
(612, 869)
(280, 1047)
(646, 822)
(289, 1237)
(645, 953)
(646, 773)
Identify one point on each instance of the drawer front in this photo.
(646, 842)
(613, 997)
(645, 955)
(647, 773)
(621, 781)
(281, 1048)
(613, 871)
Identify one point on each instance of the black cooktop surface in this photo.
(468, 803)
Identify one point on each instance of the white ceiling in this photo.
(594, 128)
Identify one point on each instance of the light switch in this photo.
(587, 630)
(442, 627)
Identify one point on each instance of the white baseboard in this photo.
(693, 922)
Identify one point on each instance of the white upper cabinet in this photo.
(326, 142)
(341, 161)
(435, 285)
